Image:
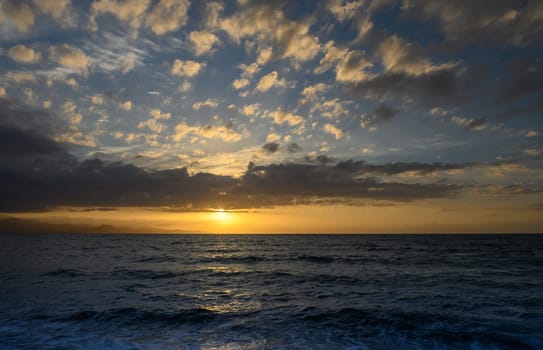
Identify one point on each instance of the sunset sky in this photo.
(271, 116)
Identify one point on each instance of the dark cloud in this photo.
(389, 169)
(380, 114)
(48, 177)
(324, 159)
(439, 87)
(270, 147)
(524, 78)
(293, 147)
(483, 22)
(16, 115)
(15, 142)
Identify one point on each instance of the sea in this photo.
(99, 291)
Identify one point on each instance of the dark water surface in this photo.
(271, 292)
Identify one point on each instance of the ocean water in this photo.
(271, 292)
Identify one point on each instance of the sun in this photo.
(221, 215)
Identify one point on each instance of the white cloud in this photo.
(17, 14)
(126, 105)
(130, 11)
(311, 92)
(352, 67)
(273, 137)
(97, 99)
(21, 53)
(250, 110)
(264, 55)
(72, 82)
(207, 103)
(331, 129)
(344, 10)
(248, 70)
(60, 10)
(279, 117)
(333, 55)
(185, 86)
(532, 133)
(532, 152)
(186, 68)
(226, 134)
(240, 83)
(153, 125)
(286, 38)
(202, 42)
(157, 114)
(167, 16)
(70, 57)
(19, 77)
(399, 55)
(268, 81)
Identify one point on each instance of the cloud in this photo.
(470, 123)
(112, 52)
(70, 57)
(272, 137)
(240, 83)
(186, 68)
(280, 117)
(332, 56)
(523, 78)
(310, 93)
(484, 22)
(126, 105)
(250, 110)
(224, 133)
(17, 14)
(380, 114)
(60, 10)
(293, 147)
(130, 11)
(97, 99)
(268, 24)
(202, 42)
(270, 147)
(400, 56)
(207, 103)
(168, 15)
(333, 130)
(268, 81)
(532, 133)
(248, 70)
(534, 152)
(152, 125)
(353, 67)
(344, 10)
(23, 54)
(438, 87)
(17, 142)
(62, 180)
(2, 92)
(20, 77)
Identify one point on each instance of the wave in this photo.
(60, 272)
(134, 316)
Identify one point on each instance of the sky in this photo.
(271, 116)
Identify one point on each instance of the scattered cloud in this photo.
(270, 80)
(70, 57)
(333, 130)
(167, 16)
(186, 68)
(202, 42)
(23, 54)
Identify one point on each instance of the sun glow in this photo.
(221, 215)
